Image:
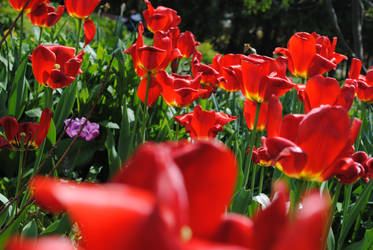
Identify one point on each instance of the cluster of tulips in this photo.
(177, 195)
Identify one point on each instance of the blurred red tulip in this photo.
(24, 135)
(45, 15)
(316, 146)
(203, 124)
(310, 54)
(81, 8)
(56, 66)
(44, 243)
(177, 202)
(178, 90)
(19, 4)
(161, 18)
(321, 90)
(261, 77)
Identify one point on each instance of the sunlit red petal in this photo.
(89, 31)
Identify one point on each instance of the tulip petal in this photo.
(89, 31)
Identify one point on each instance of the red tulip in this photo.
(161, 18)
(89, 30)
(81, 8)
(316, 146)
(152, 59)
(310, 54)
(363, 84)
(225, 66)
(178, 90)
(174, 203)
(187, 44)
(56, 66)
(45, 15)
(19, 4)
(203, 124)
(261, 77)
(320, 90)
(209, 76)
(24, 135)
(274, 228)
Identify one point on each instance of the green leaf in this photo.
(65, 106)
(30, 230)
(241, 201)
(13, 228)
(16, 102)
(60, 226)
(353, 213)
(368, 240)
(52, 133)
(6, 214)
(34, 113)
(124, 143)
(331, 239)
(114, 158)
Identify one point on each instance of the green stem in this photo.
(261, 180)
(336, 197)
(21, 38)
(252, 141)
(148, 81)
(20, 173)
(40, 35)
(78, 38)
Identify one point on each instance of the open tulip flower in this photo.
(202, 124)
(45, 15)
(161, 18)
(81, 8)
(321, 90)
(310, 54)
(261, 77)
(24, 135)
(209, 76)
(19, 4)
(151, 59)
(315, 146)
(187, 44)
(56, 66)
(363, 84)
(178, 90)
(225, 66)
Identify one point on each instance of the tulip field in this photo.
(112, 139)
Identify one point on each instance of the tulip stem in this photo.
(40, 35)
(78, 38)
(251, 145)
(21, 38)
(261, 180)
(336, 197)
(148, 80)
(20, 173)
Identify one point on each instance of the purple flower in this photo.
(89, 132)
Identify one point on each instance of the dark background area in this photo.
(228, 25)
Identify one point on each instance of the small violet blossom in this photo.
(89, 132)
